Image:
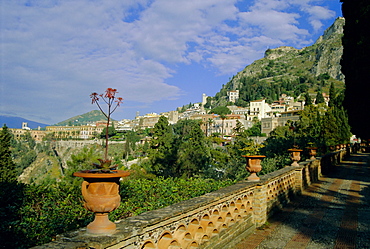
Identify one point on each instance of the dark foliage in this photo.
(356, 63)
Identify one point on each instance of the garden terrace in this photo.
(219, 219)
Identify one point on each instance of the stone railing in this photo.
(215, 220)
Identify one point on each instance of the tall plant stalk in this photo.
(112, 103)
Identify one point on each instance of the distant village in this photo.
(270, 115)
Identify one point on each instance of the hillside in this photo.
(83, 119)
(291, 71)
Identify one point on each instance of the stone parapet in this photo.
(219, 219)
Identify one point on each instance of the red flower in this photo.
(94, 97)
(119, 101)
(110, 92)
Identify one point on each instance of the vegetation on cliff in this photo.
(286, 70)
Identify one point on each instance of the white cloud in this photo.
(166, 28)
(317, 14)
(264, 5)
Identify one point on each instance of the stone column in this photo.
(260, 205)
(299, 181)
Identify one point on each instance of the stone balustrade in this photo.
(215, 220)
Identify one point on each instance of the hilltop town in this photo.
(270, 115)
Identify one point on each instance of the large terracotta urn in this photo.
(254, 166)
(101, 196)
(312, 151)
(295, 156)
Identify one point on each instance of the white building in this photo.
(258, 109)
(233, 95)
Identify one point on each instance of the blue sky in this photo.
(158, 54)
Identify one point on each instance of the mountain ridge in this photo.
(83, 119)
(289, 70)
(16, 122)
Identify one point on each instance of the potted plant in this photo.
(312, 150)
(100, 188)
(295, 155)
(337, 147)
(253, 163)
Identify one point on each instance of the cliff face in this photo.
(323, 57)
(329, 51)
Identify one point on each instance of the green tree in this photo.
(218, 160)
(324, 76)
(162, 149)
(193, 153)
(238, 127)
(220, 110)
(332, 96)
(10, 193)
(344, 129)
(49, 137)
(279, 141)
(111, 132)
(255, 130)
(208, 103)
(308, 100)
(319, 98)
(322, 126)
(235, 166)
(330, 127)
(130, 144)
(309, 126)
(7, 166)
(29, 139)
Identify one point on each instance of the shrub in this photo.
(37, 213)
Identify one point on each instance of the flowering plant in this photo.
(109, 97)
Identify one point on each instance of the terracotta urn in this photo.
(312, 151)
(254, 166)
(101, 196)
(295, 156)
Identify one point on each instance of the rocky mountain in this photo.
(290, 70)
(329, 51)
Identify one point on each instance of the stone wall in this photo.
(81, 143)
(215, 220)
